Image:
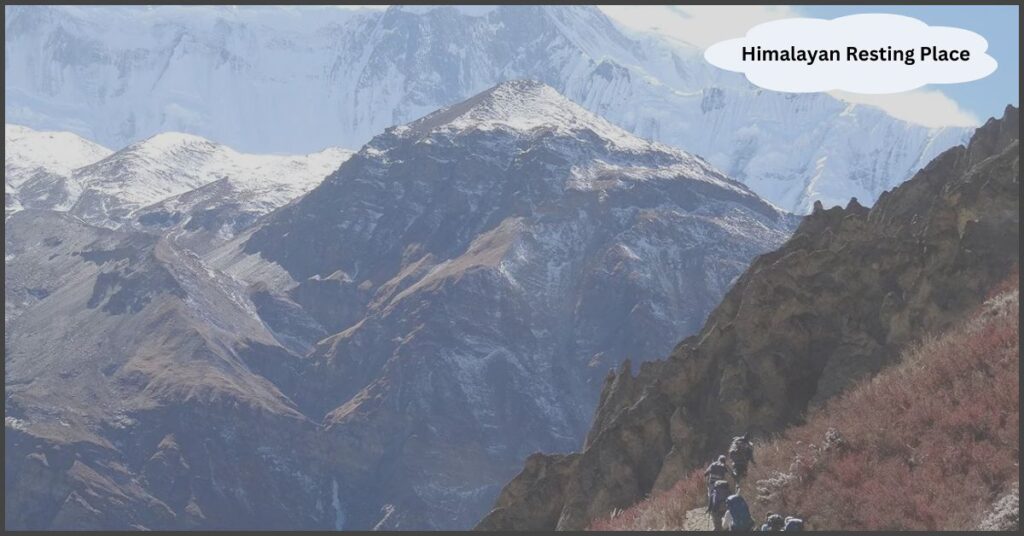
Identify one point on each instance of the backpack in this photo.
(794, 523)
(740, 512)
(740, 450)
(717, 471)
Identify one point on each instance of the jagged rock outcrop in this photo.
(837, 302)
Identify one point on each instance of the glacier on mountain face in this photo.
(267, 79)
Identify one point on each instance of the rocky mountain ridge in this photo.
(836, 303)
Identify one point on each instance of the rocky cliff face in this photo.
(135, 393)
(835, 303)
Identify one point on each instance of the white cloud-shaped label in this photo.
(870, 53)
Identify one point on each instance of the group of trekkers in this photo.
(728, 510)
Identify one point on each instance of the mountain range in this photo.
(163, 181)
(442, 305)
(266, 79)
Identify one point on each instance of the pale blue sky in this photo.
(998, 24)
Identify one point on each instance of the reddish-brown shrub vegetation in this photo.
(927, 444)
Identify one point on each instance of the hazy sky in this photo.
(965, 104)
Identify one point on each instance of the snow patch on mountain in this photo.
(41, 162)
(27, 150)
(265, 182)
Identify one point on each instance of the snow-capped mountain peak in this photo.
(156, 168)
(38, 166)
(27, 150)
(522, 106)
(526, 110)
(173, 142)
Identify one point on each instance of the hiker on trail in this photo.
(737, 516)
(794, 523)
(715, 472)
(718, 503)
(741, 452)
(773, 522)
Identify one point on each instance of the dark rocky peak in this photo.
(519, 149)
(994, 136)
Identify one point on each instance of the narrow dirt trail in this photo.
(697, 519)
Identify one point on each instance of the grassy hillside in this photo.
(928, 444)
